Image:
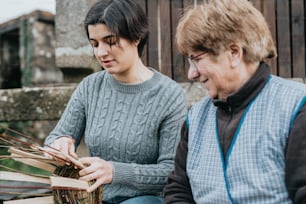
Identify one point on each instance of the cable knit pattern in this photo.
(136, 127)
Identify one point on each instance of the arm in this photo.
(295, 171)
(177, 189)
(71, 125)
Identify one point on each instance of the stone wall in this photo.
(44, 67)
(27, 51)
(73, 51)
(37, 44)
(48, 103)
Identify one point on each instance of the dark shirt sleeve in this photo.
(177, 189)
(296, 159)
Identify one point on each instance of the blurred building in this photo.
(27, 51)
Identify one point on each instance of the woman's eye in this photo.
(94, 44)
(111, 41)
(197, 59)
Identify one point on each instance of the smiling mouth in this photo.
(107, 63)
(204, 81)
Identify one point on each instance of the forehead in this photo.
(98, 31)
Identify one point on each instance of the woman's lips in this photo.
(107, 63)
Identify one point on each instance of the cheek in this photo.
(206, 67)
(94, 51)
(208, 71)
(216, 78)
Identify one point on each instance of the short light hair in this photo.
(215, 24)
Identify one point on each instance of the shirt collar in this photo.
(248, 91)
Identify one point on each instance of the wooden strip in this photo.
(22, 153)
(144, 56)
(179, 70)
(38, 200)
(187, 4)
(60, 154)
(283, 43)
(298, 38)
(12, 176)
(29, 138)
(64, 182)
(284, 51)
(165, 49)
(153, 54)
(35, 163)
(269, 14)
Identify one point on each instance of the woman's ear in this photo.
(236, 54)
(136, 43)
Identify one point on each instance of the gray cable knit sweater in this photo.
(136, 127)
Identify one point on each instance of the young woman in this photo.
(129, 114)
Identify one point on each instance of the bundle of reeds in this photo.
(57, 180)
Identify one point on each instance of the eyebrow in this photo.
(192, 57)
(105, 37)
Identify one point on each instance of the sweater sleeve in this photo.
(72, 121)
(177, 189)
(295, 172)
(152, 177)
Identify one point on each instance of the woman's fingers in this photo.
(62, 149)
(92, 164)
(98, 170)
(94, 186)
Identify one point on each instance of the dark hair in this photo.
(125, 18)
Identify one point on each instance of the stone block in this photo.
(49, 102)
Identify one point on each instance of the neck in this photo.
(250, 69)
(136, 74)
(141, 75)
(243, 73)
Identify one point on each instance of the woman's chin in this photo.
(111, 70)
(212, 95)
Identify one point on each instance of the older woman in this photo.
(244, 143)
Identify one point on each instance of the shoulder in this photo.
(204, 102)
(287, 90)
(94, 76)
(93, 79)
(90, 83)
(166, 82)
(201, 106)
(169, 92)
(288, 83)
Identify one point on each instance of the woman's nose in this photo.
(101, 50)
(193, 74)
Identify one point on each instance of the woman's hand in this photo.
(97, 169)
(65, 145)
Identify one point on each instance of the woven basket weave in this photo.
(24, 149)
(62, 196)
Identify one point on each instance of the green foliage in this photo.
(16, 166)
(20, 126)
(19, 167)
